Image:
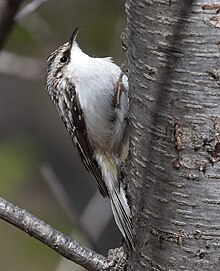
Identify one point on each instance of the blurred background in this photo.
(39, 170)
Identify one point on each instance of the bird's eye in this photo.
(64, 59)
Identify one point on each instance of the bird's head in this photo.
(59, 62)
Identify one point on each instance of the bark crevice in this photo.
(174, 165)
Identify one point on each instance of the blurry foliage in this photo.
(22, 42)
(22, 253)
(21, 154)
(19, 159)
(101, 24)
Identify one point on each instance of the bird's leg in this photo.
(124, 69)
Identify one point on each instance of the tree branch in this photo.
(54, 239)
(8, 9)
(28, 9)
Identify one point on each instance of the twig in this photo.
(57, 189)
(95, 216)
(28, 9)
(54, 239)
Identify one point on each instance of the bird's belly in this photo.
(97, 108)
(99, 132)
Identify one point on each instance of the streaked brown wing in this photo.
(75, 124)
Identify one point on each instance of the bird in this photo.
(91, 97)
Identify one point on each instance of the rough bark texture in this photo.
(8, 8)
(174, 73)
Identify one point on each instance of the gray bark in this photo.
(173, 56)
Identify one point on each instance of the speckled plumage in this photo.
(84, 90)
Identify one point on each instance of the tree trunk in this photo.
(8, 8)
(173, 59)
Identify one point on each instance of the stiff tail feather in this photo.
(121, 213)
(119, 204)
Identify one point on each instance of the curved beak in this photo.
(74, 36)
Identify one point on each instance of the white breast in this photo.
(95, 80)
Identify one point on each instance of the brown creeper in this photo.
(90, 95)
